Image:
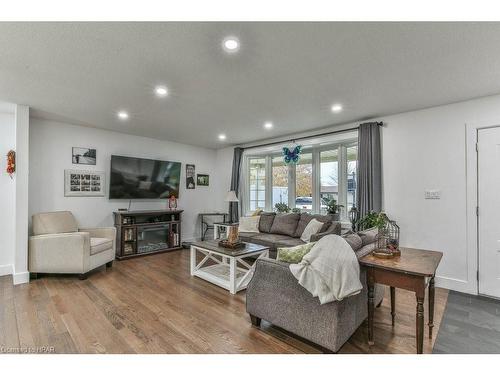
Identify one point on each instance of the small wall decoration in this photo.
(202, 179)
(11, 162)
(79, 183)
(190, 182)
(81, 155)
(291, 155)
(172, 202)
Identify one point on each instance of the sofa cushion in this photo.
(305, 218)
(271, 238)
(247, 235)
(368, 235)
(266, 221)
(354, 240)
(293, 254)
(98, 245)
(290, 242)
(285, 224)
(54, 222)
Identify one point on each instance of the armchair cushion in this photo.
(54, 222)
(99, 244)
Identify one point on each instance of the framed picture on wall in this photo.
(190, 182)
(81, 155)
(79, 183)
(202, 179)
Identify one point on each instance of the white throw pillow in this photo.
(313, 227)
(249, 224)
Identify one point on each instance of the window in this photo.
(280, 181)
(352, 167)
(304, 183)
(322, 173)
(257, 183)
(329, 177)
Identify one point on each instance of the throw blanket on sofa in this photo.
(330, 271)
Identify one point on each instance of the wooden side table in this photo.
(414, 270)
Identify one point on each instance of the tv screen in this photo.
(135, 178)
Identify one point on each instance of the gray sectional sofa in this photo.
(284, 230)
(275, 295)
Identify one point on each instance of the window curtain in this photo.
(235, 184)
(369, 169)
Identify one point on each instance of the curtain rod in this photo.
(306, 137)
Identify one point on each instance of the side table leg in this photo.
(371, 307)
(193, 260)
(420, 322)
(431, 305)
(232, 275)
(393, 304)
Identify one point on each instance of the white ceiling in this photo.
(287, 73)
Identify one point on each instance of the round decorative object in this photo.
(385, 254)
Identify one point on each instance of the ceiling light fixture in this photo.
(122, 115)
(336, 108)
(231, 44)
(268, 125)
(222, 137)
(161, 91)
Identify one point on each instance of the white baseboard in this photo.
(455, 284)
(21, 278)
(5, 269)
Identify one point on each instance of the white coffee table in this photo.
(227, 268)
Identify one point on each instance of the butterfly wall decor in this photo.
(291, 155)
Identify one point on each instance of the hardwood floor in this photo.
(152, 305)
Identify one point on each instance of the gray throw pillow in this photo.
(266, 221)
(285, 224)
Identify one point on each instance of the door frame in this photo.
(472, 201)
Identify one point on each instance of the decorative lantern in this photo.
(387, 239)
(353, 217)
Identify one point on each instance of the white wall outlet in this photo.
(432, 194)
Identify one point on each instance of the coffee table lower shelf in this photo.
(230, 272)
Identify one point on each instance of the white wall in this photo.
(426, 150)
(7, 195)
(50, 154)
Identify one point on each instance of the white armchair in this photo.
(59, 246)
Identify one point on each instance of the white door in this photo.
(489, 211)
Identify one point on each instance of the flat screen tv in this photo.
(135, 178)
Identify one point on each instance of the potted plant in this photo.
(372, 219)
(281, 208)
(332, 208)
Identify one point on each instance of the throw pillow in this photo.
(257, 212)
(249, 224)
(294, 254)
(313, 227)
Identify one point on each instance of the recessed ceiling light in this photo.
(231, 44)
(161, 91)
(122, 115)
(222, 137)
(268, 125)
(336, 108)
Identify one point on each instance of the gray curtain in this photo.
(235, 184)
(369, 169)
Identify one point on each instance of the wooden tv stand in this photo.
(147, 232)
